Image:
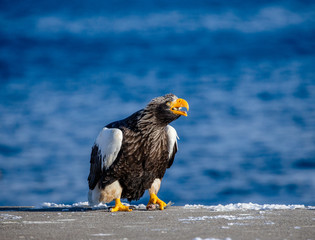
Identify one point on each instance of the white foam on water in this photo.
(54, 205)
(217, 208)
(74, 205)
(245, 206)
(141, 206)
(67, 207)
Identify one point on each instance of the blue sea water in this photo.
(245, 67)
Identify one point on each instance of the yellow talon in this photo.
(154, 199)
(120, 207)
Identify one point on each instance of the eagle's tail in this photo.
(94, 196)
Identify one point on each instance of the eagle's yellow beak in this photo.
(177, 105)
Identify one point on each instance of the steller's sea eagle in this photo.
(131, 155)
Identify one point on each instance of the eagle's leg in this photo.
(155, 200)
(120, 207)
(111, 192)
(155, 187)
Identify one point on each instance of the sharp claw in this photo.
(120, 207)
(155, 200)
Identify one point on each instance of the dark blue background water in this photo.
(68, 68)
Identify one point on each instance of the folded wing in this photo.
(104, 152)
(172, 144)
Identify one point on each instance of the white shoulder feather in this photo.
(172, 139)
(109, 143)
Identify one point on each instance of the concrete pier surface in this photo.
(172, 223)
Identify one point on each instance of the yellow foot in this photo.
(120, 207)
(154, 199)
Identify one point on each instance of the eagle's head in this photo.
(167, 108)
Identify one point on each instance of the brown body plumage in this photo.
(145, 151)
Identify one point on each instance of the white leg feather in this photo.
(155, 187)
(111, 192)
